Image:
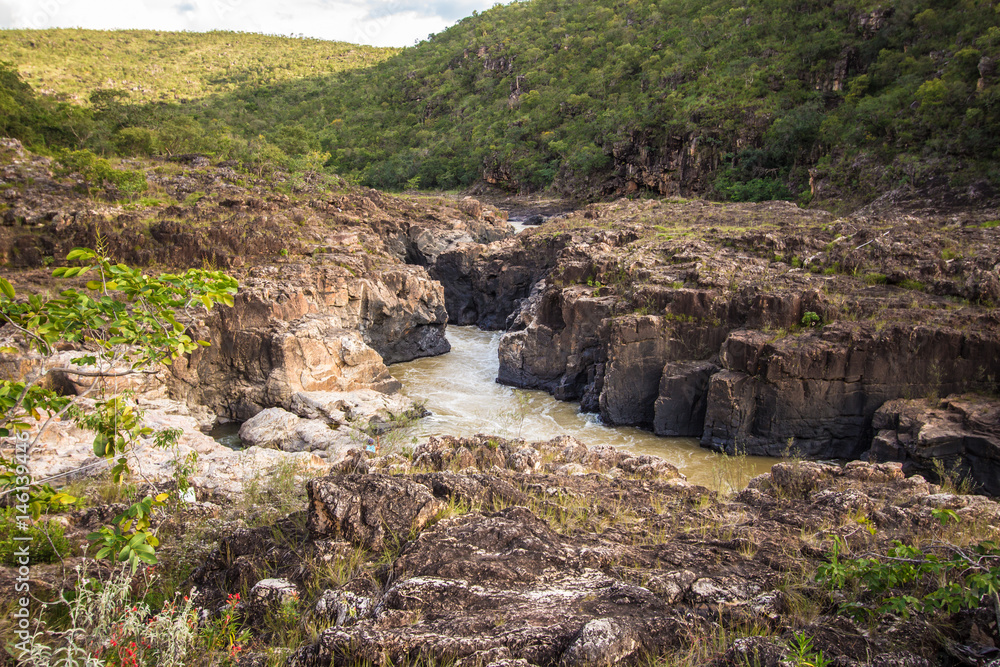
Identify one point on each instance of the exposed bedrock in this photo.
(693, 372)
(751, 327)
(576, 346)
(822, 389)
(300, 327)
(488, 285)
(547, 568)
(958, 437)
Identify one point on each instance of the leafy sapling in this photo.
(124, 323)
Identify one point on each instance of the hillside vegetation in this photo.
(751, 101)
(151, 66)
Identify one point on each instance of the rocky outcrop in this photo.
(591, 569)
(804, 357)
(561, 349)
(503, 585)
(816, 393)
(368, 510)
(562, 455)
(306, 328)
(958, 437)
(680, 407)
(313, 266)
(249, 369)
(485, 285)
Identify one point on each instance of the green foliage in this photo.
(757, 189)
(811, 319)
(163, 66)
(127, 321)
(130, 538)
(43, 497)
(127, 183)
(38, 122)
(224, 634)
(802, 653)
(915, 285)
(529, 94)
(907, 579)
(46, 540)
(875, 279)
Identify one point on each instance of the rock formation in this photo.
(758, 329)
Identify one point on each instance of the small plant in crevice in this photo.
(803, 654)
(952, 479)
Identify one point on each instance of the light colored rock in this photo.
(66, 450)
(343, 607)
(276, 428)
(357, 408)
(601, 641)
(268, 595)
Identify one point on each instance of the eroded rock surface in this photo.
(529, 567)
(958, 437)
(811, 321)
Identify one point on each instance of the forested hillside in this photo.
(741, 101)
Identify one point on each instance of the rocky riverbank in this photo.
(485, 551)
(759, 328)
(329, 295)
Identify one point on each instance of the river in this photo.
(460, 390)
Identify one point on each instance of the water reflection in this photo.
(460, 390)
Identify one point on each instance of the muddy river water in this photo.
(459, 388)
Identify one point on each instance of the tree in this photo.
(123, 323)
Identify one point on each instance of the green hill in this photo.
(165, 66)
(736, 100)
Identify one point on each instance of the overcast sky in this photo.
(377, 22)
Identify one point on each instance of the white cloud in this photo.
(377, 22)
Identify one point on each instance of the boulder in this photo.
(276, 428)
(359, 409)
(268, 595)
(370, 511)
(341, 608)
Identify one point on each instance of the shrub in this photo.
(908, 579)
(811, 319)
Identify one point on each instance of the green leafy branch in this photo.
(124, 322)
(907, 578)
